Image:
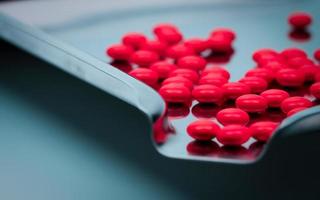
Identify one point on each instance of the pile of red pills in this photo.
(177, 68)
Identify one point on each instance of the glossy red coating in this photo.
(197, 44)
(295, 110)
(275, 97)
(274, 66)
(179, 80)
(226, 32)
(290, 77)
(257, 55)
(233, 116)
(216, 70)
(155, 46)
(159, 27)
(293, 52)
(144, 58)
(120, 52)
(263, 73)
(186, 73)
(203, 129)
(295, 102)
(207, 94)
(252, 103)
(145, 75)
(317, 76)
(233, 90)
(233, 135)
(300, 20)
(134, 40)
(179, 51)
(163, 68)
(169, 36)
(262, 131)
(316, 55)
(175, 93)
(256, 84)
(310, 71)
(219, 43)
(213, 79)
(315, 90)
(297, 62)
(192, 62)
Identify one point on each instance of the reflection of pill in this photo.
(145, 75)
(252, 103)
(232, 116)
(207, 94)
(233, 135)
(203, 129)
(175, 93)
(262, 131)
(275, 97)
(119, 52)
(295, 102)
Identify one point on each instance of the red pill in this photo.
(235, 89)
(233, 135)
(317, 77)
(273, 66)
(213, 79)
(179, 51)
(120, 52)
(179, 80)
(295, 110)
(315, 90)
(197, 44)
(145, 75)
(207, 94)
(216, 70)
(295, 102)
(297, 62)
(226, 32)
(316, 55)
(257, 55)
(203, 129)
(300, 20)
(233, 116)
(275, 97)
(175, 93)
(155, 46)
(290, 77)
(256, 84)
(293, 52)
(310, 71)
(192, 62)
(163, 68)
(219, 43)
(134, 40)
(144, 58)
(159, 27)
(262, 131)
(263, 73)
(186, 73)
(169, 36)
(252, 103)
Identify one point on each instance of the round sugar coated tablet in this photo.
(275, 97)
(252, 103)
(293, 52)
(290, 77)
(216, 70)
(155, 46)
(175, 93)
(207, 94)
(186, 73)
(219, 43)
(145, 75)
(295, 102)
(192, 62)
(213, 79)
(257, 55)
(179, 51)
(144, 58)
(179, 80)
(262, 131)
(197, 44)
(163, 68)
(300, 20)
(120, 52)
(169, 36)
(233, 90)
(263, 73)
(203, 129)
(134, 40)
(256, 84)
(226, 32)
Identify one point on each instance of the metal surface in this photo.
(76, 43)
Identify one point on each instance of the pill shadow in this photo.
(109, 122)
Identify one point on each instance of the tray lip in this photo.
(142, 97)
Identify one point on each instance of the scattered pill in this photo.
(144, 58)
(315, 90)
(226, 32)
(192, 62)
(216, 70)
(275, 97)
(203, 129)
(290, 77)
(197, 44)
(213, 79)
(295, 110)
(179, 51)
(175, 93)
(232, 116)
(316, 55)
(300, 20)
(233, 90)
(120, 52)
(145, 75)
(263, 73)
(186, 73)
(155, 46)
(262, 131)
(252, 103)
(293, 52)
(207, 94)
(256, 84)
(233, 135)
(219, 43)
(134, 40)
(179, 80)
(163, 68)
(295, 102)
